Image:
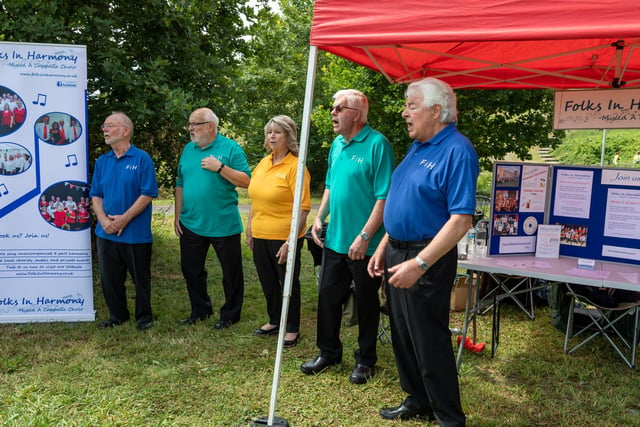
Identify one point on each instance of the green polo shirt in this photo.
(359, 175)
(210, 202)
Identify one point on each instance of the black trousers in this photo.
(193, 254)
(272, 275)
(114, 260)
(419, 319)
(338, 272)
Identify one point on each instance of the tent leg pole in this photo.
(293, 234)
(604, 144)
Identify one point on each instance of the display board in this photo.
(45, 230)
(598, 209)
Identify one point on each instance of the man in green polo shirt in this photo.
(206, 213)
(360, 165)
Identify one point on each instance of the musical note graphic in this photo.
(70, 162)
(3, 190)
(42, 99)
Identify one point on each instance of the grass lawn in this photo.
(62, 374)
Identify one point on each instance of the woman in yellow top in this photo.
(271, 192)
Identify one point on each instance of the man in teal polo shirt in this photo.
(360, 165)
(206, 213)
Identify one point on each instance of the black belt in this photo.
(410, 244)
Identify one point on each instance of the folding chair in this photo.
(384, 334)
(483, 208)
(603, 321)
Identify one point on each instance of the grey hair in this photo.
(126, 121)
(355, 99)
(436, 92)
(210, 116)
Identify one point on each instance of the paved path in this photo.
(244, 207)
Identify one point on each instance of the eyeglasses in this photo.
(339, 108)
(109, 126)
(194, 124)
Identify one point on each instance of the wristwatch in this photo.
(364, 235)
(423, 265)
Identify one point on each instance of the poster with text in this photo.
(45, 229)
(519, 202)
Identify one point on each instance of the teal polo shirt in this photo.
(359, 175)
(210, 202)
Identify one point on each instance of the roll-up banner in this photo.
(45, 228)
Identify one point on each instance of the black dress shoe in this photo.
(361, 373)
(293, 342)
(143, 326)
(317, 365)
(192, 320)
(109, 324)
(265, 332)
(221, 324)
(403, 412)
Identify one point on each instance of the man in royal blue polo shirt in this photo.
(122, 188)
(360, 165)
(429, 208)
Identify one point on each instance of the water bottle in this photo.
(481, 240)
(463, 248)
(471, 237)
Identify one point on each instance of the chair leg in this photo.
(634, 341)
(569, 331)
(383, 333)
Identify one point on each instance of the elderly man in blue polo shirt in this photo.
(360, 165)
(122, 188)
(429, 208)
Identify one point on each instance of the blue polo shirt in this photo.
(435, 180)
(358, 176)
(119, 182)
(210, 202)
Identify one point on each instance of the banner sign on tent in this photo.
(45, 230)
(597, 109)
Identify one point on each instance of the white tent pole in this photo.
(293, 232)
(604, 144)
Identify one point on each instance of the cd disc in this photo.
(530, 225)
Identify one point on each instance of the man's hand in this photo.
(405, 274)
(211, 164)
(118, 223)
(358, 249)
(316, 229)
(176, 226)
(376, 264)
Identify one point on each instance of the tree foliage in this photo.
(499, 122)
(157, 60)
(584, 147)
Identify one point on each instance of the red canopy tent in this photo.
(494, 44)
